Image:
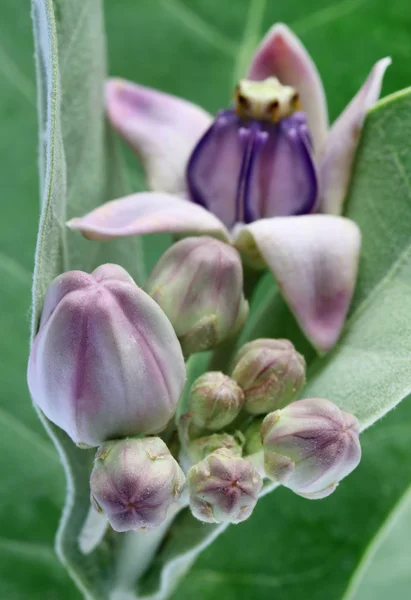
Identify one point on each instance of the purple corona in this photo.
(271, 167)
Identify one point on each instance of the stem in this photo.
(137, 552)
(251, 279)
(257, 460)
(223, 355)
(93, 531)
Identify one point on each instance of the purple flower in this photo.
(253, 177)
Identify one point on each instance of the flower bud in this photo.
(271, 374)
(134, 481)
(223, 488)
(198, 283)
(106, 362)
(309, 446)
(203, 446)
(214, 401)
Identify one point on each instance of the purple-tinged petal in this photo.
(281, 54)
(215, 169)
(336, 162)
(314, 259)
(148, 212)
(162, 130)
(282, 178)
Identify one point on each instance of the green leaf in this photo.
(368, 373)
(79, 165)
(385, 569)
(79, 169)
(32, 482)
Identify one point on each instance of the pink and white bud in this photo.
(198, 283)
(214, 401)
(134, 482)
(223, 488)
(106, 362)
(271, 374)
(310, 446)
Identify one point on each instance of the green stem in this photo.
(252, 278)
(257, 460)
(223, 355)
(137, 553)
(93, 531)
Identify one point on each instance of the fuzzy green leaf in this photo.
(79, 170)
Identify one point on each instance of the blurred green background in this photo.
(290, 548)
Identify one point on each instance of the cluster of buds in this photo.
(107, 366)
(306, 445)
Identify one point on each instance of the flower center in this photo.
(255, 161)
(267, 100)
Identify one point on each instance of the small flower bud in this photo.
(309, 446)
(106, 362)
(134, 481)
(271, 374)
(214, 401)
(223, 488)
(203, 446)
(198, 283)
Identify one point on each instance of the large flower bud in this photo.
(214, 401)
(271, 374)
(198, 283)
(309, 446)
(106, 362)
(223, 488)
(134, 481)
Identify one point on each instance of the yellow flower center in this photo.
(266, 100)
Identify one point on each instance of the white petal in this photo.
(148, 212)
(337, 160)
(160, 128)
(282, 55)
(314, 259)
